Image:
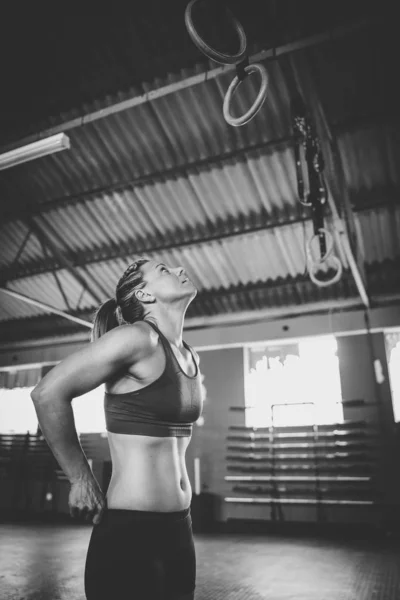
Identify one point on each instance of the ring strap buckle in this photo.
(241, 69)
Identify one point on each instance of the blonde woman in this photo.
(141, 545)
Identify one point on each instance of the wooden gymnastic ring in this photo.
(259, 101)
(219, 57)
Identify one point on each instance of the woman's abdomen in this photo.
(148, 473)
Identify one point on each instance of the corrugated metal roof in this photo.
(239, 261)
(11, 308)
(205, 197)
(171, 132)
(184, 129)
(12, 236)
(255, 187)
(167, 177)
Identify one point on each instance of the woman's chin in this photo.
(191, 292)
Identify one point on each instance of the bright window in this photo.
(89, 412)
(17, 413)
(293, 384)
(393, 358)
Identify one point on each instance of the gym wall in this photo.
(223, 368)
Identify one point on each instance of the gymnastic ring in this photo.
(329, 282)
(259, 101)
(328, 252)
(219, 57)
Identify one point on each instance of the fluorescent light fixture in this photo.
(55, 143)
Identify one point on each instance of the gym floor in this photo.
(46, 562)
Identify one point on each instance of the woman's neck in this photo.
(170, 324)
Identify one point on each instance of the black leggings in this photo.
(142, 555)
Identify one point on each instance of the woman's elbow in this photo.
(37, 394)
(41, 393)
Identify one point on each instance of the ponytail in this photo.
(125, 307)
(104, 319)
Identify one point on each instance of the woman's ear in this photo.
(144, 296)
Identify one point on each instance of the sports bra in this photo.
(167, 407)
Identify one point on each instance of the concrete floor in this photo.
(46, 562)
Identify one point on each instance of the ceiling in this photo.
(167, 176)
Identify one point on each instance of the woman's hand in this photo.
(86, 500)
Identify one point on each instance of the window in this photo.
(392, 340)
(89, 412)
(293, 384)
(17, 412)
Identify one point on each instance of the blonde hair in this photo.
(125, 307)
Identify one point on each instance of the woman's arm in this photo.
(79, 373)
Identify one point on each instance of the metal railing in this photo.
(339, 459)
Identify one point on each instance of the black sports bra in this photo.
(167, 407)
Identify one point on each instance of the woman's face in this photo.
(166, 283)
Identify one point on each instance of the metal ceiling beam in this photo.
(21, 248)
(45, 250)
(345, 228)
(265, 55)
(46, 307)
(61, 258)
(282, 312)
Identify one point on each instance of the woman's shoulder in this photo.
(136, 338)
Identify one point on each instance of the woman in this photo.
(142, 543)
